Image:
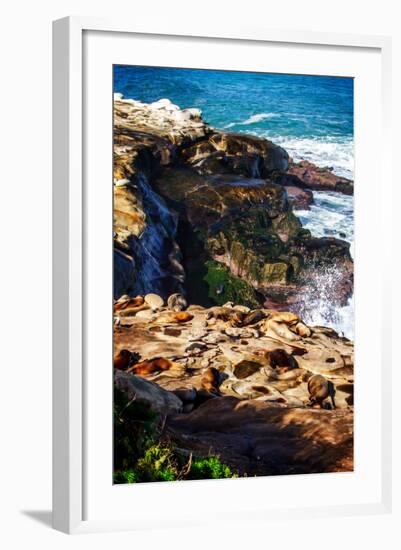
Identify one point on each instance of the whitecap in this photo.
(258, 118)
(253, 119)
(331, 215)
(336, 152)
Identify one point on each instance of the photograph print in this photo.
(233, 320)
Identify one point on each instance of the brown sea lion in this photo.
(319, 389)
(286, 325)
(177, 302)
(131, 302)
(210, 380)
(280, 358)
(253, 317)
(232, 316)
(122, 359)
(175, 317)
(303, 330)
(151, 366)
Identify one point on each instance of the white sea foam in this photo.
(332, 214)
(318, 305)
(337, 153)
(252, 119)
(258, 117)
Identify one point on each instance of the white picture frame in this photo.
(70, 225)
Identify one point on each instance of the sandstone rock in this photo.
(148, 393)
(314, 177)
(234, 332)
(163, 104)
(195, 307)
(241, 153)
(145, 314)
(279, 440)
(154, 301)
(243, 309)
(197, 334)
(215, 338)
(259, 390)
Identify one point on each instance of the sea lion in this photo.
(175, 317)
(253, 317)
(279, 329)
(151, 366)
(280, 358)
(128, 303)
(122, 359)
(286, 325)
(319, 389)
(210, 380)
(232, 316)
(303, 330)
(177, 302)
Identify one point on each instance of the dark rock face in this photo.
(300, 199)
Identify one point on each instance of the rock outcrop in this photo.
(260, 418)
(305, 174)
(147, 393)
(210, 213)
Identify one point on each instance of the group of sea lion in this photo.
(285, 327)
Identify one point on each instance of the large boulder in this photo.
(242, 154)
(147, 392)
(307, 174)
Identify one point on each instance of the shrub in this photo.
(209, 468)
(126, 476)
(139, 456)
(157, 464)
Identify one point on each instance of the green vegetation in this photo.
(224, 287)
(209, 468)
(140, 455)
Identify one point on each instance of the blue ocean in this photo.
(312, 117)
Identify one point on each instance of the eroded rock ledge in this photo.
(258, 415)
(207, 212)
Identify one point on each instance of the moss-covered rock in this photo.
(224, 287)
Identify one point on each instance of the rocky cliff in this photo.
(210, 213)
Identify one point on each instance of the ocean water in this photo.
(310, 116)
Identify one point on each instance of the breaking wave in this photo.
(318, 307)
(252, 119)
(334, 152)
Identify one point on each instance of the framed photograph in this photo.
(220, 321)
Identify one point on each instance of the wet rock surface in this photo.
(311, 176)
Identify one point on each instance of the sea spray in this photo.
(319, 303)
